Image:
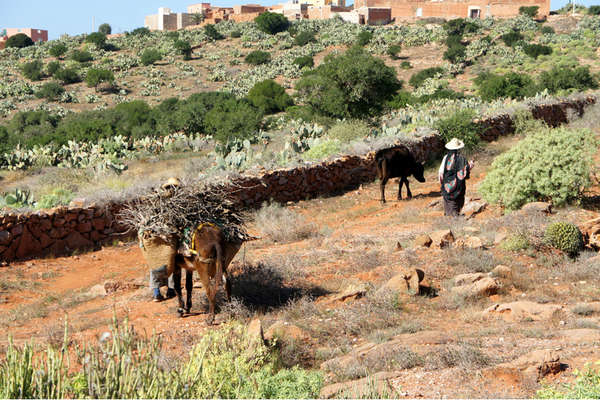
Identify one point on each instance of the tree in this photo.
(105, 29)
(51, 91)
(33, 70)
(212, 32)
(354, 84)
(97, 38)
(150, 56)
(67, 76)
(512, 85)
(304, 61)
(96, 76)
(364, 37)
(198, 18)
(304, 37)
(272, 23)
(58, 50)
(20, 40)
(81, 56)
(233, 119)
(183, 47)
(594, 10)
(269, 96)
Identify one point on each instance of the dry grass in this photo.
(462, 355)
(282, 225)
(468, 260)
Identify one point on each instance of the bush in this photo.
(269, 96)
(585, 386)
(58, 197)
(393, 51)
(258, 57)
(304, 37)
(272, 23)
(52, 67)
(512, 85)
(460, 125)
(235, 34)
(406, 65)
(547, 30)
(51, 91)
(594, 10)
(184, 48)
(536, 50)
(455, 53)
(33, 70)
(322, 150)
(304, 61)
(97, 38)
(568, 78)
(19, 41)
(459, 26)
(58, 50)
(364, 37)
(347, 131)
(511, 38)
(564, 236)
(417, 79)
(81, 56)
(552, 165)
(353, 84)
(232, 119)
(530, 11)
(142, 31)
(95, 76)
(212, 33)
(515, 242)
(67, 76)
(150, 56)
(105, 29)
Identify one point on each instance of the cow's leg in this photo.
(189, 286)
(400, 183)
(177, 284)
(408, 193)
(212, 298)
(384, 179)
(227, 285)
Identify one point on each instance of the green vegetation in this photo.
(547, 30)
(304, 61)
(51, 91)
(536, 50)
(530, 11)
(417, 79)
(97, 38)
(405, 65)
(258, 57)
(512, 85)
(393, 51)
(460, 125)
(512, 38)
(515, 242)
(81, 56)
(235, 34)
(305, 37)
(105, 29)
(364, 37)
(57, 197)
(58, 50)
(19, 41)
(594, 10)
(52, 67)
(551, 165)
(564, 236)
(353, 84)
(272, 23)
(96, 76)
(269, 96)
(558, 78)
(184, 48)
(67, 76)
(211, 32)
(232, 119)
(586, 385)
(150, 56)
(347, 131)
(33, 70)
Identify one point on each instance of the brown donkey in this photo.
(210, 256)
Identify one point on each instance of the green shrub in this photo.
(212, 33)
(322, 150)
(547, 30)
(459, 26)
(51, 91)
(304, 61)
(536, 50)
(19, 41)
(105, 29)
(33, 70)
(565, 237)
(95, 76)
(258, 57)
(551, 165)
(586, 385)
(52, 67)
(460, 125)
(401, 99)
(515, 242)
(558, 78)
(150, 56)
(142, 31)
(269, 96)
(232, 119)
(351, 85)
(393, 51)
(417, 79)
(512, 85)
(97, 38)
(406, 65)
(364, 37)
(347, 131)
(57, 197)
(511, 38)
(272, 23)
(235, 34)
(530, 11)
(58, 50)
(593, 10)
(455, 53)
(81, 56)
(304, 37)
(184, 48)
(67, 76)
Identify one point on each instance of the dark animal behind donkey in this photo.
(397, 162)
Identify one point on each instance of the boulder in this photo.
(286, 331)
(442, 238)
(469, 242)
(591, 233)
(28, 245)
(406, 282)
(422, 241)
(354, 290)
(467, 279)
(473, 207)
(523, 311)
(255, 330)
(537, 207)
(78, 202)
(485, 286)
(97, 290)
(75, 240)
(537, 363)
(501, 271)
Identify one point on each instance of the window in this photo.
(419, 12)
(475, 13)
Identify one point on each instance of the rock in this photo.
(501, 271)
(398, 246)
(591, 233)
(255, 330)
(84, 227)
(537, 207)
(537, 363)
(28, 245)
(355, 290)
(75, 240)
(441, 239)
(286, 331)
(485, 286)
(407, 281)
(524, 311)
(467, 279)
(78, 202)
(472, 229)
(97, 290)
(473, 207)
(422, 241)
(470, 242)
(5, 238)
(499, 237)
(375, 384)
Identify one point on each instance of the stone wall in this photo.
(65, 229)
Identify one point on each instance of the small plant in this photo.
(97, 38)
(406, 65)
(455, 53)
(19, 41)
(211, 32)
(283, 225)
(184, 48)
(393, 51)
(55, 198)
(33, 70)
(460, 125)
(304, 37)
(150, 56)
(272, 23)
(67, 76)
(547, 30)
(515, 242)
(530, 11)
(258, 57)
(58, 50)
(559, 78)
(347, 131)
(512, 38)
(96, 76)
(304, 61)
(81, 56)
(105, 29)
(269, 96)
(417, 79)
(51, 91)
(564, 236)
(536, 50)
(364, 37)
(19, 199)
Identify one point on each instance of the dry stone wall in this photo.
(66, 229)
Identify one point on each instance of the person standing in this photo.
(453, 173)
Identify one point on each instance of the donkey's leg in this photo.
(227, 285)
(189, 285)
(177, 284)
(212, 295)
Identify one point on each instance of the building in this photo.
(37, 35)
(166, 20)
(410, 10)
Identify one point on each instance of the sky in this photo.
(75, 16)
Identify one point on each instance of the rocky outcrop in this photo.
(523, 311)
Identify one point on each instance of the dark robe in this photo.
(454, 172)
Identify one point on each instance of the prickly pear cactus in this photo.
(564, 236)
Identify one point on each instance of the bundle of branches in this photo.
(171, 212)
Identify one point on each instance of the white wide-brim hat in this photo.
(455, 144)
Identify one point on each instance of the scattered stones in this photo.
(422, 241)
(406, 282)
(442, 238)
(524, 311)
(470, 242)
(537, 207)
(475, 285)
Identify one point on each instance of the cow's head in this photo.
(418, 172)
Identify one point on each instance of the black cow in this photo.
(397, 162)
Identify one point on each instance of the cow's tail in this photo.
(381, 166)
